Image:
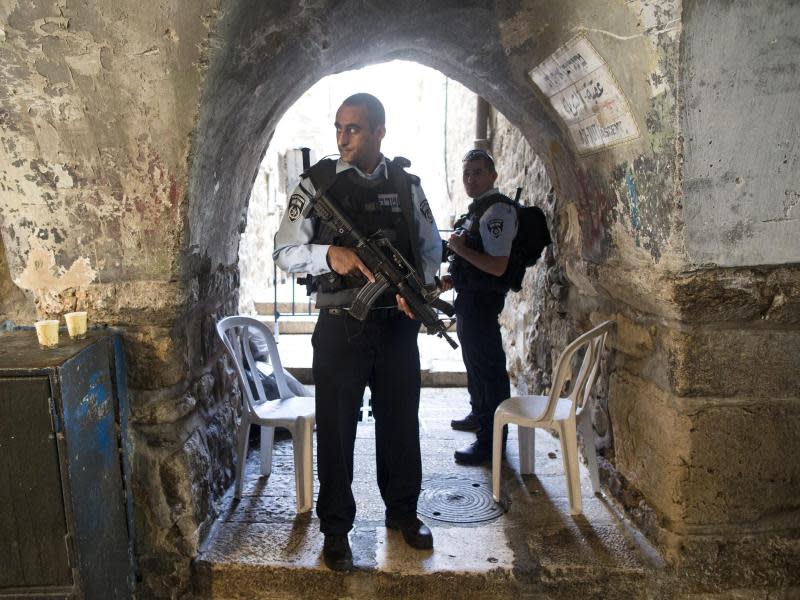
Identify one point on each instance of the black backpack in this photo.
(529, 243)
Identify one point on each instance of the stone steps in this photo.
(285, 307)
(441, 366)
(260, 548)
(285, 582)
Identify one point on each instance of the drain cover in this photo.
(457, 500)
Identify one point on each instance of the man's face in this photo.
(478, 177)
(358, 144)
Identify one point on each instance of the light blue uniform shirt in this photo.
(295, 254)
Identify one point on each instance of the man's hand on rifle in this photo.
(403, 306)
(345, 261)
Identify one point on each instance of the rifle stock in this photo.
(391, 270)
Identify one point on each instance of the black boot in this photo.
(468, 423)
(415, 532)
(479, 451)
(336, 553)
(476, 453)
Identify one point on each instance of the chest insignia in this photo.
(389, 202)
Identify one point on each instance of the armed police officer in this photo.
(481, 246)
(380, 351)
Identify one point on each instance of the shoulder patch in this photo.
(425, 209)
(296, 204)
(495, 227)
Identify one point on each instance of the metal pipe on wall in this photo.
(481, 124)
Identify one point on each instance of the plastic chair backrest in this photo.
(594, 339)
(584, 398)
(235, 333)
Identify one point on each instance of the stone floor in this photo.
(260, 548)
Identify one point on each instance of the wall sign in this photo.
(583, 91)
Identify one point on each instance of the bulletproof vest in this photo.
(374, 206)
(465, 275)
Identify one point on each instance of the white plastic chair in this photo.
(295, 413)
(562, 415)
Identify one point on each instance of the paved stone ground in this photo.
(260, 548)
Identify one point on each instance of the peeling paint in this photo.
(41, 272)
(85, 64)
(572, 237)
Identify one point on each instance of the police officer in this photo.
(381, 351)
(481, 246)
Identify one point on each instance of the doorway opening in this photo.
(431, 120)
(419, 116)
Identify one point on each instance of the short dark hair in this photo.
(479, 154)
(376, 115)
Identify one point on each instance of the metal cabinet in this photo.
(65, 517)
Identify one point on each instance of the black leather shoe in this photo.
(415, 533)
(468, 423)
(336, 553)
(474, 454)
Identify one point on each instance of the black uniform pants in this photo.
(348, 355)
(484, 358)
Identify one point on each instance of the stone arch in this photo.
(242, 106)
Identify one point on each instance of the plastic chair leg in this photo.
(303, 451)
(589, 451)
(497, 455)
(241, 456)
(569, 451)
(527, 449)
(267, 442)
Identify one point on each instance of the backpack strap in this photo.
(402, 182)
(481, 205)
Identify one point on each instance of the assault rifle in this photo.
(390, 268)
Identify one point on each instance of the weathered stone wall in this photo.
(689, 338)
(98, 103)
(741, 88)
(15, 308)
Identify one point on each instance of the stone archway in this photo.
(130, 139)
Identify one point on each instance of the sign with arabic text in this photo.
(585, 94)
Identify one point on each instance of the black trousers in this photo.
(349, 355)
(484, 358)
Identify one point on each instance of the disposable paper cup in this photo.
(47, 332)
(76, 324)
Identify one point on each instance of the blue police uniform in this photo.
(380, 352)
(480, 299)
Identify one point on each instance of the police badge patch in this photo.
(296, 204)
(495, 227)
(425, 209)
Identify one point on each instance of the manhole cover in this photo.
(457, 500)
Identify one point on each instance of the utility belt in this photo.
(374, 314)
